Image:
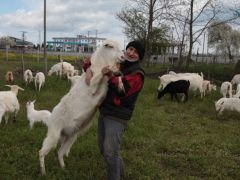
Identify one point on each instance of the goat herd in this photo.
(72, 116)
(174, 83)
(74, 113)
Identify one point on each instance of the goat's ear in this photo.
(8, 85)
(33, 101)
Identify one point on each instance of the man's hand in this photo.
(106, 71)
(89, 76)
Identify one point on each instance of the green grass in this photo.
(164, 139)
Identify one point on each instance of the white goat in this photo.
(229, 104)
(237, 95)
(56, 68)
(208, 87)
(73, 114)
(39, 80)
(62, 68)
(9, 102)
(28, 76)
(36, 115)
(226, 89)
(235, 79)
(74, 79)
(196, 81)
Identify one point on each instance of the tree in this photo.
(6, 41)
(224, 39)
(198, 16)
(144, 19)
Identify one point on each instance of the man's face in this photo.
(132, 54)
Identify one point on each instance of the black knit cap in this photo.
(139, 47)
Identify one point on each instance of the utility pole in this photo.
(39, 44)
(44, 27)
(96, 40)
(204, 35)
(23, 42)
(88, 42)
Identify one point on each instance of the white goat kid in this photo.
(73, 114)
(227, 104)
(39, 80)
(9, 102)
(28, 76)
(36, 115)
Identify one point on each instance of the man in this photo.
(118, 106)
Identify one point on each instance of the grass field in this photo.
(164, 140)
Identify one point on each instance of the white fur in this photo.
(73, 114)
(9, 102)
(62, 68)
(74, 79)
(28, 76)
(56, 68)
(237, 95)
(36, 115)
(235, 79)
(208, 87)
(39, 80)
(226, 89)
(227, 104)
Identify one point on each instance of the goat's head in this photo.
(15, 88)
(219, 104)
(30, 103)
(109, 54)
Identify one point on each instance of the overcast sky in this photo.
(64, 18)
(67, 18)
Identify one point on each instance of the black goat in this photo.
(180, 86)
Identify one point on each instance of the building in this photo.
(15, 43)
(75, 44)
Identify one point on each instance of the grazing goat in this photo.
(9, 102)
(226, 89)
(208, 87)
(36, 115)
(227, 104)
(180, 86)
(9, 77)
(73, 114)
(28, 76)
(196, 80)
(62, 68)
(39, 80)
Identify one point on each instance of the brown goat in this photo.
(9, 77)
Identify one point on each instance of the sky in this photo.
(65, 18)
